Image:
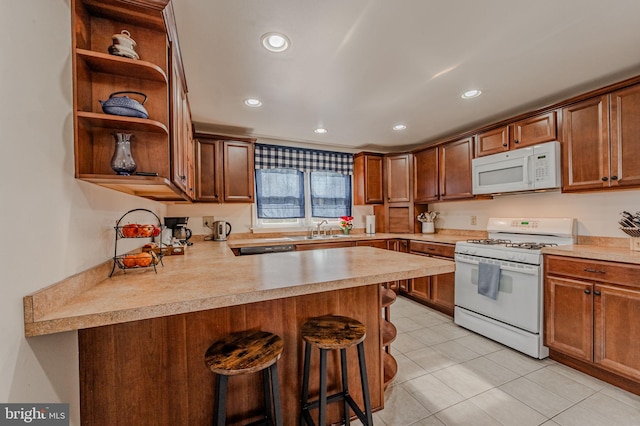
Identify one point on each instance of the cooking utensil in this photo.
(125, 106)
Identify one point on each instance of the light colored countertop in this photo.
(596, 252)
(209, 276)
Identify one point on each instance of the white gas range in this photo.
(513, 252)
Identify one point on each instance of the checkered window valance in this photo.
(305, 160)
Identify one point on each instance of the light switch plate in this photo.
(635, 244)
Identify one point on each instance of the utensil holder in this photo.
(428, 228)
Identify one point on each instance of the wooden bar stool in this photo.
(242, 353)
(327, 333)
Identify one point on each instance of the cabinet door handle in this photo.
(614, 177)
(597, 293)
(594, 271)
(516, 141)
(604, 178)
(587, 291)
(504, 144)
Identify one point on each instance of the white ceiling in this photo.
(358, 67)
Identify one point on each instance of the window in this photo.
(280, 194)
(288, 197)
(330, 194)
(299, 186)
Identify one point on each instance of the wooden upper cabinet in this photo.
(398, 178)
(183, 174)
(533, 130)
(224, 170)
(492, 141)
(367, 178)
(425, 171)
(455, 169)
(625, 137)
(97, 74)
(585, 144)
(208, 165)
(238, 171)
(530, 131)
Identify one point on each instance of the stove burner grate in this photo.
(531, 246)
(489, 241)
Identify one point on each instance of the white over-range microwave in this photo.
(532, 168)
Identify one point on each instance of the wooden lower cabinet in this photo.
(592, 310)
(569, 317)
(399, 286)
(373, 243)
(436, 291)
(329, 245)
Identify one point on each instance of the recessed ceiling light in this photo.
(253, 103)
(320, 130)
(473, 93)
(399, 127)
(275, 42)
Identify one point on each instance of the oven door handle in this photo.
(528, 271)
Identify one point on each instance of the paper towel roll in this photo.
(370, 224)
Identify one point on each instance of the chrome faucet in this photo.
(320, 224)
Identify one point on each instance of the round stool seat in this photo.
(244, 352)
(333, 332)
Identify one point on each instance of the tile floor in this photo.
(448, 375)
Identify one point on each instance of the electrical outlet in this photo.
(474, 220)
(207, 221)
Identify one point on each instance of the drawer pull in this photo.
(597, 293)
(587, 291)
(594, 271)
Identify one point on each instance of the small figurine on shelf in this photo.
(123, 45)
(346, 223)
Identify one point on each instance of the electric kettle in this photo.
(221, 230)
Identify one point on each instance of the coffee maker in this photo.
(177, 228)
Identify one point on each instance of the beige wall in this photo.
(597, 213)
(53, 226)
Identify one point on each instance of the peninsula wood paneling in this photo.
(152, 372)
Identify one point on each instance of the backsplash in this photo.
(597, 213)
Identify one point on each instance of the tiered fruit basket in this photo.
(144, 260)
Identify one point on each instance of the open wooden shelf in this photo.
(125, 67)
(390, 368)
(155, 188)
(388, 296)
(108, 121)
(389, 332)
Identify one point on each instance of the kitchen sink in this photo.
(317, 237)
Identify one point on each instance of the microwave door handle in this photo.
(525, 170)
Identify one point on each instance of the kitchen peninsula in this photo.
(142, 336)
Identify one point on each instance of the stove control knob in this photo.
(522, 258)
(472, 251)
(464, 250)
(511, 256)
